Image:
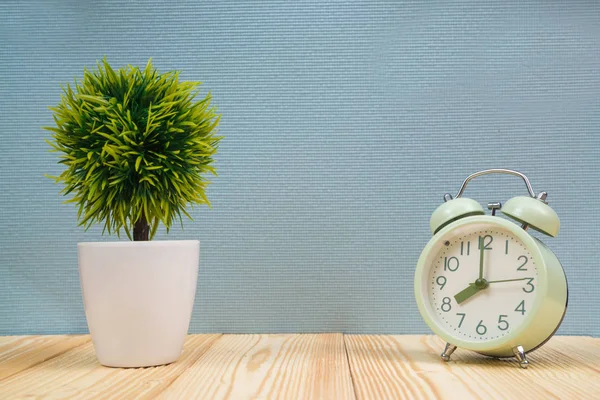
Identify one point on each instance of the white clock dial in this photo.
(486, 307)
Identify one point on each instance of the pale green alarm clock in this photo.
(485, 284)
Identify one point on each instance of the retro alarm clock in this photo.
(484, 283)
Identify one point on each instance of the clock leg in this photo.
(520, 354)
(448, 350)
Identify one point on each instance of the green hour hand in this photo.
(465, 294)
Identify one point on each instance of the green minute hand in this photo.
(476, 286)
(481, 250)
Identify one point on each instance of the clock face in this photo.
(482, 282)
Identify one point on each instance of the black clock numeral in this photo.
(521, 307)
(441, 281)
(529, 285)
(446, 306)
(451, 264)
(462, 318)
(481, 328)
(506, 248)
(503, 321)
(482, 240)
(463, 247)
(524, 260)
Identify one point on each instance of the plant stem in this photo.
(141, 229)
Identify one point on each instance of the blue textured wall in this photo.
(345, 123)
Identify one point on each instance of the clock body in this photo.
(521, 293)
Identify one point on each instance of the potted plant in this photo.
(136, 145)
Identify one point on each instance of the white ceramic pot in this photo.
(138, 299)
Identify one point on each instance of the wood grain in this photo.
(585, 350)
(328, 366)
(408, 367)
(388, 367)
(78, 375)
(269, 367)
(47, 377)
(18, 353)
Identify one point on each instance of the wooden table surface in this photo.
(309, 366)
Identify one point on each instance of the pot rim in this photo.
(149, 243)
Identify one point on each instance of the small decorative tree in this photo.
(136, 146)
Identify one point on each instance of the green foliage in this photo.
(135, 144)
